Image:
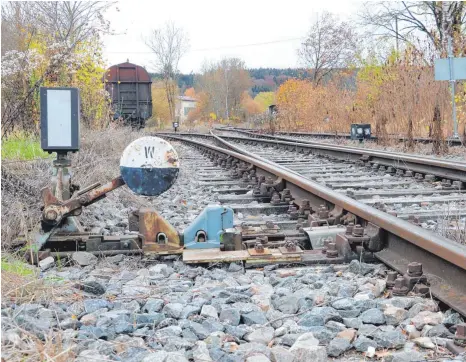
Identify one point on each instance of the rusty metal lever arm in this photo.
(55, 210)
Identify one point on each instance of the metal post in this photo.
(452, 85)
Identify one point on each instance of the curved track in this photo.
(395, 242)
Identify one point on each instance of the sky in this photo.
(219, 29)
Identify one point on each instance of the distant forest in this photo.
(263, 79)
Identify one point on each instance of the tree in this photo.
(406, 20)
(330, 44)
(168, 44)
(47, 43)
(224, 83)
(265, 99)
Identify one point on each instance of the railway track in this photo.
(263, 182)
(305, 136)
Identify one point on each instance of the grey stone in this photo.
(260, 335)
(356, 267)
(209, 311)
(280, 354)
(236, 331)
(189, 311)
(115, 259)
(405, 356)
(89, 354)
(254, 318)
(318, 316)
(345, 303)
(153, 305)
(91, 332)
(362, 343)
(236, 297)
(390, 339)
(234, 267)
(427, 317)
(230, 316)
(148, 319)
(248, 349)
(213, 325)
(123, 325)
(287, 304)
(91, 305)
(257, 358)
(347, 290)
(451, 318)
(244, 308)
(201, 353)
(338, 346)
(83, 258)
(170, 331)
(439, 331)
(335, 326)
(306, 348)
(134, 354)
(352, 322)
(173, 310)
(70, 323)
(46, 263)
(289, 339)
(427, 305)
(372, 316)
(199, 330)
(323, 334)
(159, 356)
(394, 315)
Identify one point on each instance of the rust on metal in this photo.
(157, 234)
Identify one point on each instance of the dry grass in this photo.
(97, 161)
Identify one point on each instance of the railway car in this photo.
(129, 86)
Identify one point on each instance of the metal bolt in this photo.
(290, 245)
(358, 230)
(409, 173)
(258, 247)
(332, 251)
(275, 199)
(349, 228)
(421, 289)
(269, 225)
(51, 215)
(414, 269)
(391, 277)
(399, 287)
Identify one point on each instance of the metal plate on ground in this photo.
(264, 254)
(284, 251)
(149, 166)
(213, 255)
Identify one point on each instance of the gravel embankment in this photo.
(133, 309)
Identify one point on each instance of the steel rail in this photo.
(444, 261)
(451, 141)
(418, 164)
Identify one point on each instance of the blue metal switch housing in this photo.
(206, 230)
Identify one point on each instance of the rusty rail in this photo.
(282, 135)
(443, 260)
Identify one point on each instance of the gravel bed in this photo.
(133, 309)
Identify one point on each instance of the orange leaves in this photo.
(250, 105)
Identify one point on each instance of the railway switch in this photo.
(207, 229)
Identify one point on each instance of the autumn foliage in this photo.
(393, 96)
